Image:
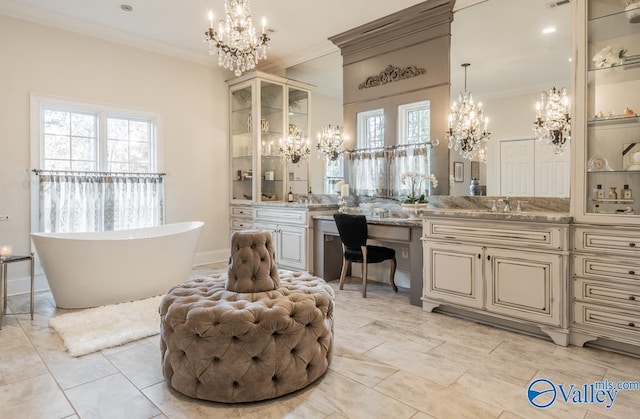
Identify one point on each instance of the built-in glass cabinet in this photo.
(610, 156)
(264, 109)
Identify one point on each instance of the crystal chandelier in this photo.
(295, 147)
(330, 142)
(553, 119)
(467, 132)
(236, 43)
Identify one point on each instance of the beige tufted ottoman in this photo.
(249, 335)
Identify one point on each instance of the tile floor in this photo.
(391, 360)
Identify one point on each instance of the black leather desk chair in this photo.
(353, 234)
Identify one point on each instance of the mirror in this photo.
(325, 75)
(512, 62)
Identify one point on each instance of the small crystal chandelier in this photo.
(553, 119)
(330, 142)
(236, 43)
(467, 132)
(295, 147)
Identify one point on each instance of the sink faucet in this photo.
(507, 207)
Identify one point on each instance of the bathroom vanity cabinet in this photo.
(508, 270)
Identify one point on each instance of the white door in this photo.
(552, 171)
(453, 273)
(517, 167)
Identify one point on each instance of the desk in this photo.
(389, 231)
(4, 261)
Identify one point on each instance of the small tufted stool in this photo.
(249, 335)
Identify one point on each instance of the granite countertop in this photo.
(297, 205)
(391, 221)
(533, 216)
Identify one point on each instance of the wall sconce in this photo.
(331, 142)
(295, 147)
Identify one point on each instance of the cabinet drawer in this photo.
(237, 224)
(281, 216)
(618, 241)
(511, 234)
(242, 212)
(607, 293)
(607, 268)
(607, 317)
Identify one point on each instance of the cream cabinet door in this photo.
(524, 285)
(453, 273)
(293, 247)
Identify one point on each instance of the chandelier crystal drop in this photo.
(235, 42)
(295, 147)
(553, 119)
(468, 127)
(331, 142)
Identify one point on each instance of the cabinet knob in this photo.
(632, 245)
(632, 272)
(479, 256)
(632, 298)
(632, 324)
(488, 257)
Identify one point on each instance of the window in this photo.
(74, 139)
(414, 122)
(333, 173)
(95, 167)
(371, 129)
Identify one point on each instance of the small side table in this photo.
(4, 261)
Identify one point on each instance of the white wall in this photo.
(190, 98)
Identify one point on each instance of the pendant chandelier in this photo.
(236, 43)
(467, 132)
(553, 119)
(330, 142)
(295, 147)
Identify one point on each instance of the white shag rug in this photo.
(94, 329)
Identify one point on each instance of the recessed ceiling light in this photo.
(126, 7)
(549, 29)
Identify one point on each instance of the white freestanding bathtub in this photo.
(94, 269)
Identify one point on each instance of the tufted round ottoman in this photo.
(227, 339)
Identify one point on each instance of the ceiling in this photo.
(300, 28)
(500, 38)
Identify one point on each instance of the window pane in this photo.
(83, 148)
(85, 166)
(83, 125)
(56, 147)
(117, 129)
(57, 165)
(118, 167)
(57, 122)
(139, 131)
(117, 151)
(139, 153)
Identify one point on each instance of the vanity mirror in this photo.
(517, 48)
(513, 61)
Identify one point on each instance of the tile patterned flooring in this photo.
(391, 360)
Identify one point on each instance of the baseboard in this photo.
(206, 258)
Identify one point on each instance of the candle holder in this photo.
(342, 202)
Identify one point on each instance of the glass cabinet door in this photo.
(613, 103)
(242, 144)
(298, 116)
(271, 131)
